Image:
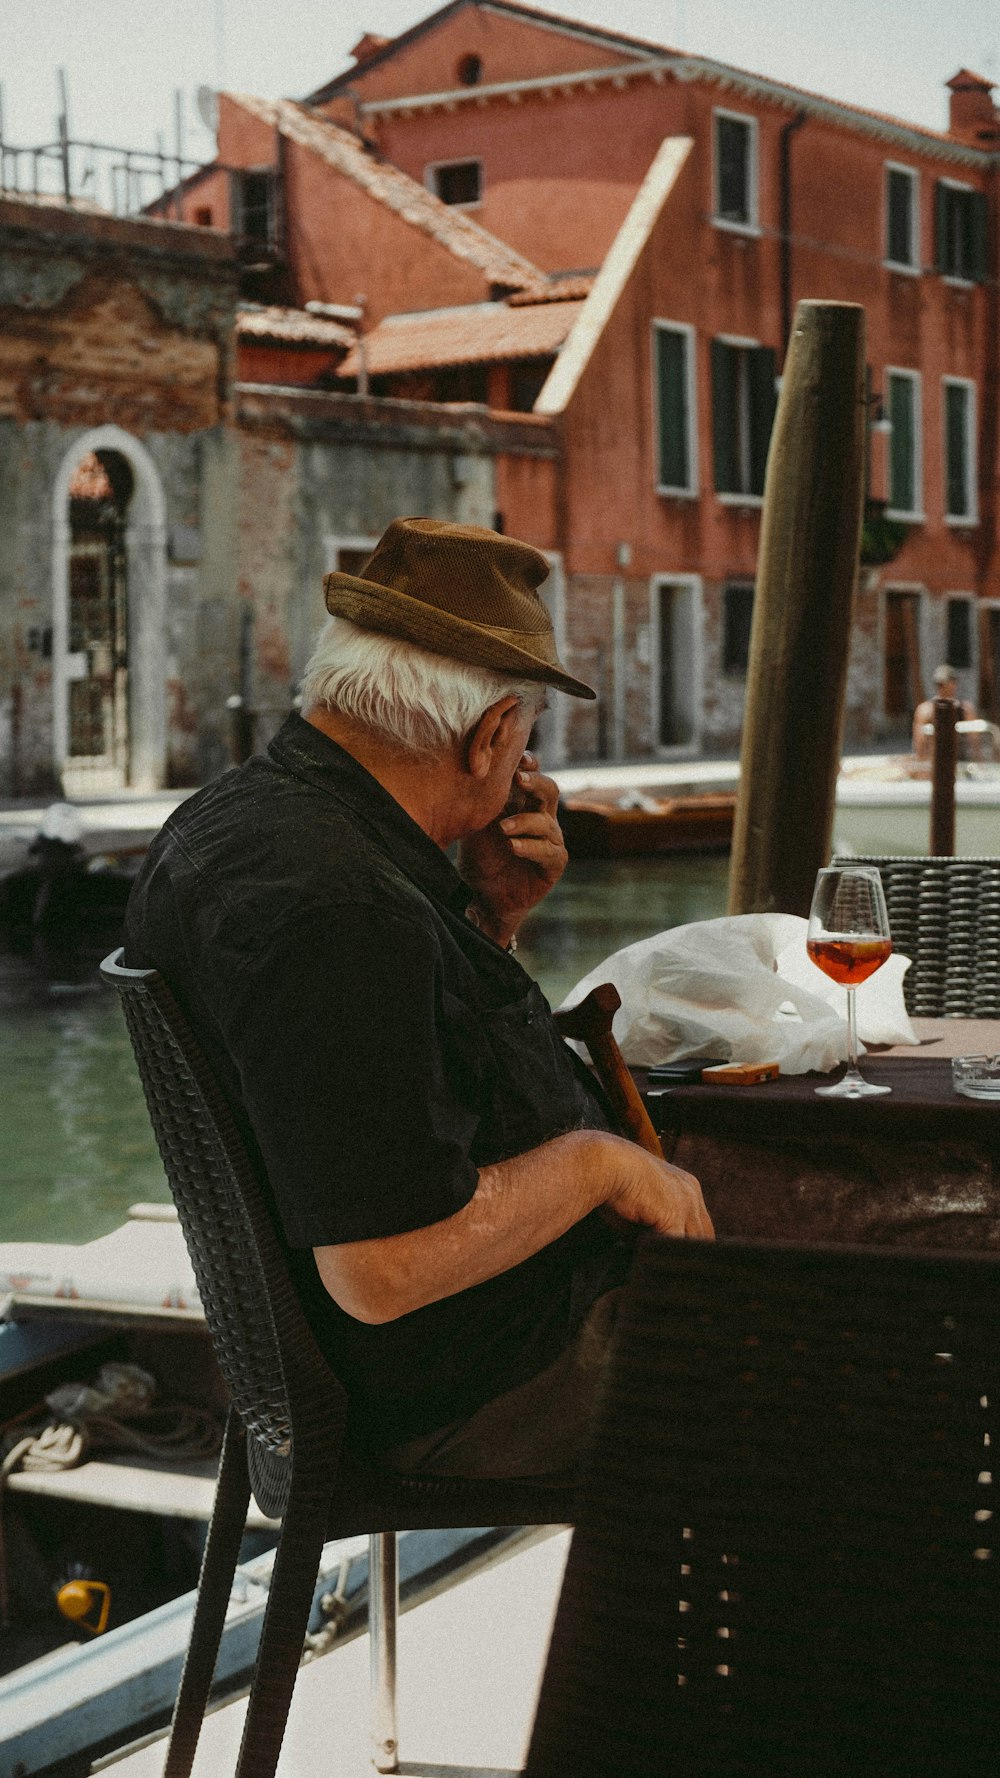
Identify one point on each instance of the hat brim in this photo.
(375, 607)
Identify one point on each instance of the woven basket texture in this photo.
(944, 914)
(785, 1564)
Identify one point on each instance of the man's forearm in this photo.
(519, 1207)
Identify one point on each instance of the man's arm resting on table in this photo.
(519, 1206)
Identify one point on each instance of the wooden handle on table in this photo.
(590, 1023)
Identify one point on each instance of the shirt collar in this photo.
(305, 751)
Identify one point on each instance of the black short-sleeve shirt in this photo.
(378, 1049)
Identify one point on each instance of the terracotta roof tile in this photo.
(294, 326)
(562, 287)
(450, 227)
(474, 334)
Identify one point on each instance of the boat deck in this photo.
(470, 1664)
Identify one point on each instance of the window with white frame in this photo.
(902, 217)
(456, 182)
(675, 677)
(348, 555)
(905, 456)
(675, 407)
(744, 396)
(960, 231)
(735, 141)
(959, 403)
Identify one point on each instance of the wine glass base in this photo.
(851, 1086)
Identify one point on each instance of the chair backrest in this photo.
(279, 1382)
(945, 914)
(785, 1563)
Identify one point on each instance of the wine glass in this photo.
(848, 939)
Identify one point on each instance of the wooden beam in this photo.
(806, 573)
(945, 760)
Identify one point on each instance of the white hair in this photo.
(406, 695)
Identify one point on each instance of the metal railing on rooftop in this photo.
(124, 181)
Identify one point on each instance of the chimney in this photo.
(368, 46)
(973, 117)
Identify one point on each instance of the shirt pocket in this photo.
(531, 1088)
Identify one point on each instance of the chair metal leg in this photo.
(383, 1612)
(222, 1548)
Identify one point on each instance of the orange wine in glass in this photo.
(848, 939)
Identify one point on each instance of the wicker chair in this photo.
(945, 914)
(284, 1431)
(785, 1562)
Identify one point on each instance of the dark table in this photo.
(918, 1167)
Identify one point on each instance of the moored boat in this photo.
(637, 824)
(100, 1546)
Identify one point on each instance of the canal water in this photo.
(75, 1144)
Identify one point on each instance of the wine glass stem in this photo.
(852, 1034)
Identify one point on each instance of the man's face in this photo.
(947, 688)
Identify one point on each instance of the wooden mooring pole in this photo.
(944, 752)
(806, 572)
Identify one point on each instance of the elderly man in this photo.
(454, 1204)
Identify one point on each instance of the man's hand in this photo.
(658, 1195)
(514, 862)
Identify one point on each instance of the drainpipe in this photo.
(359, 302)
(785, 225)
(623, 559)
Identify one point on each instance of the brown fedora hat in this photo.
(461, 591)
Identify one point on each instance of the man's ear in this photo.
(489, 736)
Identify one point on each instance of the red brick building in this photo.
(782, 195)
(567, 262)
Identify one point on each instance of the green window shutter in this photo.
(725, 385)
(732, 147)
(957, 449)
(899, 190)
(979, 228)
(902, 477)
(671, 360)
(737, 622)
(762, 366)
(942, 251)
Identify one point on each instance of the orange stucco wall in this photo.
(560, 173)
(330, 259)
(508, 50)
(261, 361)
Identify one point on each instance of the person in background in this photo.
(459, 1216)
(945, 686)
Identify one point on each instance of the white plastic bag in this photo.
(713, 988)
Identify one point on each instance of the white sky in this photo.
(124, 59)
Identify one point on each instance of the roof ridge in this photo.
(330, 87)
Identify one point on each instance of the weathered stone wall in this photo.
(113, 335)
(117, 336)
(321, 470)
(621, 663)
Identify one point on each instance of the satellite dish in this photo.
(207, 101)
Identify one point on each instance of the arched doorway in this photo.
(96, 658)
(109, 590)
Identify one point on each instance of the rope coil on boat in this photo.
(112, 1414)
